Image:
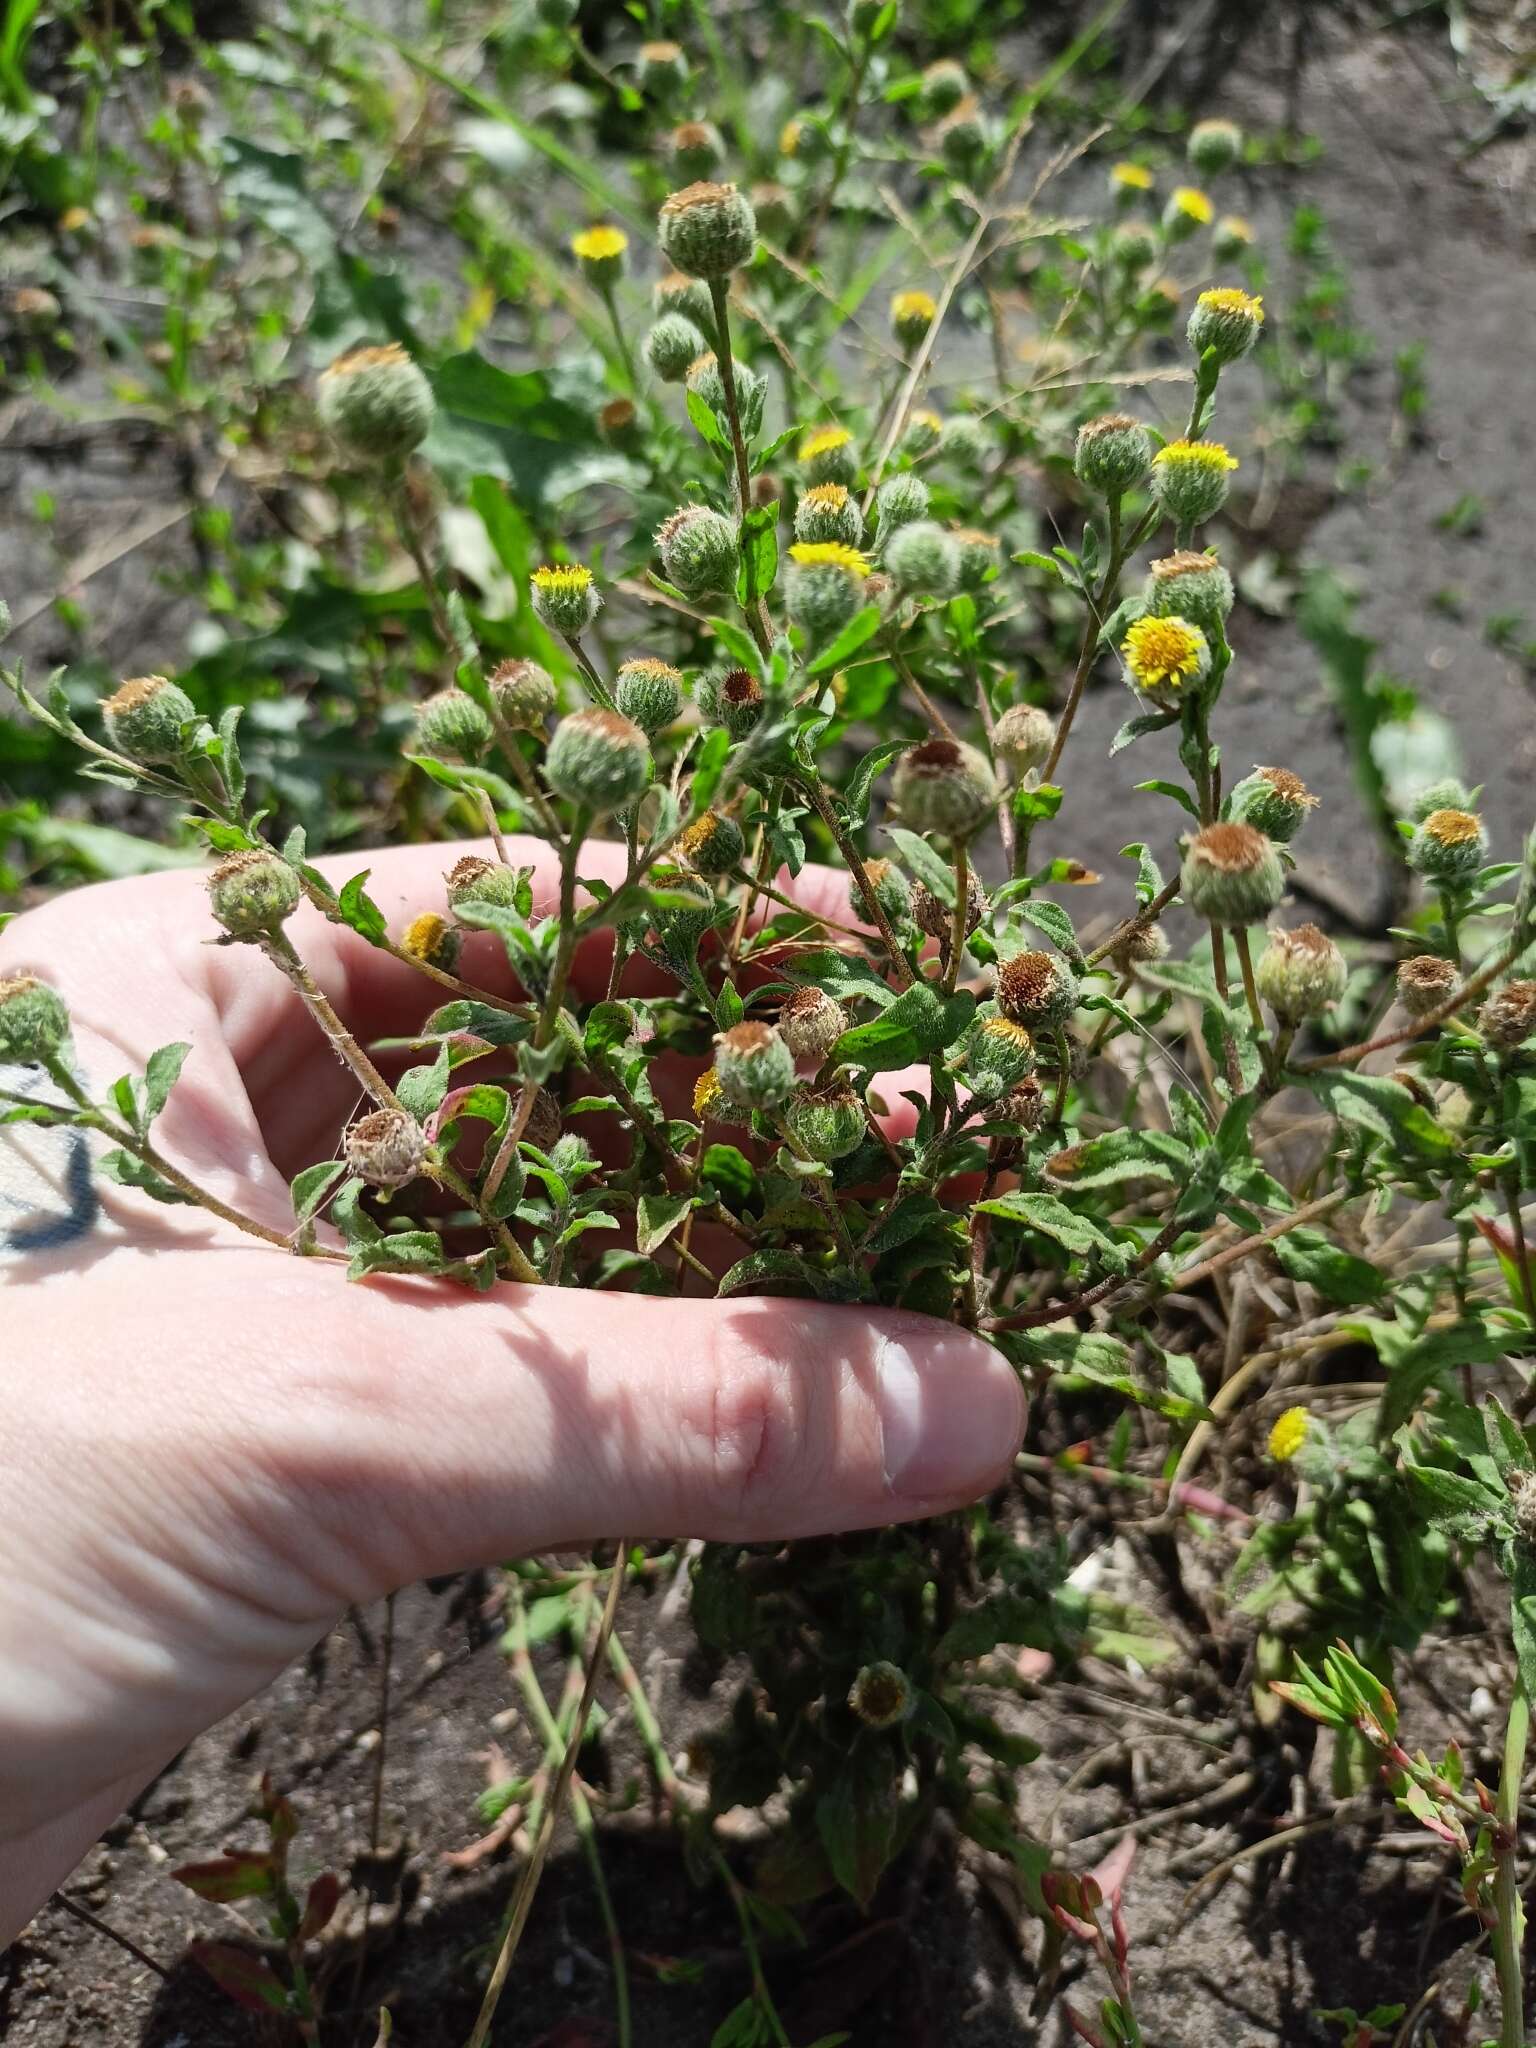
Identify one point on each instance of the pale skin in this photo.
(209, 1449)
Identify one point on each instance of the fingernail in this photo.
(951, 1415)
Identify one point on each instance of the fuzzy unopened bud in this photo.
(997, 1054)
(1425, 982)
(661, 67)
(963, 441)
(144, 717)
(1300, 973)
(1190, 479)
(944, 786)
(1231, 875)
(697, 149)
(712, 845)
(451, 726)
(892, 891)
(376, 403)
(826, 1124)
(981, 555)
(1274, 800)
(1446, 795)
(386, 1148)
(671, 345)
(900, 500)
(811, 1022)
(1138, 946)
(33, 1020)
(1191, 586)
(1022, 739)
(599, 760)
(473, 881)
(756, 1068)
(650, 693)
(699, 551)
(922, 433)
(675, 293)
(1114, 454)
(825, 586)
(1227, 320)
(1036, 990)
(524, 693)
(1213, 146)
(565, 597)
(922, 559)
(707, 230)
(827, 456)
(252, 892)
(827, 512)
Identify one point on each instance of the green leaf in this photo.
(1385, 1108)
(729, 1172)
(772, 1272)
(1049, 1216)
(856, 1820)
(421, 1089)
(161, 1074)
(1105, 1361)
(862, 627)
(1033, 806)
(861, 782)
(1051, 919)
(357, 910)
(739, 645)
(656, 1217)
(129, 1172)
(310, 1188)
(919, 1022)
(1175, 791)
(705, 423)
(1149, 880)
(404, 1251)
(1138, 728)
(930, 869)
(1311, 1256)
(707, 771)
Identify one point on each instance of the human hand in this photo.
(207, 1451)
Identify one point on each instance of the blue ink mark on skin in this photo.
(46, 1229)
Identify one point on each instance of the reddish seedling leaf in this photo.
(324, 1898)
(241, 1874)
(249, 1980)
(1111, 1873)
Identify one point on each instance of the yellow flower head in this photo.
(1227, 298)
(1164, 653)
(1453, 828)
(1235, 228)
(563, 579)
(789, 138)
(600, 244)
(823, 441)
(1134, 177)
(930, 422)
(430, 938)
(1193, 204)
(916, 307)
(1288, 1435)
(706, 1095)
(828, 554)
(833, 496)
(1197, 454)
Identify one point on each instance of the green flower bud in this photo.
(1508, 1017)
(900, 500)
(565, 598)
(756, 1069)
(1214, 146)
(1447, 846)
(1231, 238)
(705, 380)
(386, 1148)
(473, 881)
(712, 845)
(451, 726)
(34, 1023)
(375, 403)
(671, 345)
(699, 551)
(892, 890)
(923, 559)
(1134, 245)
(252, 892)
(524, 694)
(827, 512)
(811, 1022)
(997, 1054)
(827, 456)
(980, 555)
(1449, 795)
(661, 67)
(733, 698)
(922, 433)
(688, 296)
(963, 441)
(600, 252)
(1037, 990)
(944, 86)
(1186, 211)
(1189, 479)
(707, 230)
(944, 786)
(1114, 454)
(773, 207)
(1425, 982)
(912, 314)
(1022, 739)
(962, 135)
(1226, 320)
(144, 717)
(599, 760)
(1274, 801)
(697, 150)
(650, 693)
(1189, 586)
(679, 929)
(827, 1123)
(824, 588)
(1138, 946)
(1231, 875)
(1300, 973)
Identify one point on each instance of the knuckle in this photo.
(753, 1421)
